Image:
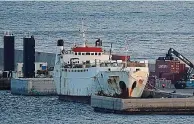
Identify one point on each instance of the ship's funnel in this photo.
(9, 52)
(29, 57)
(60, 46)
(60, 42)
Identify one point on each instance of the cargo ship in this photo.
(81, 70)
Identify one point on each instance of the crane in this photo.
(187, 82)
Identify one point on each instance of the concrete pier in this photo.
(143, 106)
(167, 93)
(33, 86)
(5, 83)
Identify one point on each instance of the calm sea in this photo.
(49, 110)
(149, 28)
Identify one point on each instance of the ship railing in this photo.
(94, 64)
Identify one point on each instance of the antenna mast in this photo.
(83, 34)
(126, 50)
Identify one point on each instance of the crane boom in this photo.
(181, 57)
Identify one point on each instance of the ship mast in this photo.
(126, 50)
(83, 34)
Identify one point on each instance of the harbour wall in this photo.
(143, 106)
(33, 86)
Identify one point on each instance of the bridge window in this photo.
(79, 53)
(87, 53)
(75, 53)
(92, 53)
(95, 53)
(99, 53)
(83, 53)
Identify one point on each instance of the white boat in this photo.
(78, 73)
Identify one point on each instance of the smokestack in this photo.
(9, 52)
(29, 57)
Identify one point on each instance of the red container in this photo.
(168, 76)
(162, 66)
(175, 66)
(120, 57)
(182, 67)
(167, 66)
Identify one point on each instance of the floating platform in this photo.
(33, 86)
(143, 106)
(5, 83)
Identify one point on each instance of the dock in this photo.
(5, 84)
(168, 93)
(175, 106)
(33, 86)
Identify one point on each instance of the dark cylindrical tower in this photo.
(60, 42)
(9, 52)
(29, 57)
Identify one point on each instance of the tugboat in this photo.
(87, 70)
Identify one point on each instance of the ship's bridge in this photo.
(86, 53)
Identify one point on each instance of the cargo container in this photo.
(162, 66)
(167, 66)
(120, 57)
(182, 68)
(168, 76)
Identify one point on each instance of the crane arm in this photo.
(181, 57)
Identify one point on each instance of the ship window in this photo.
(95, 53)
(75, 53)
(92, 53)
(87, 53)
(81, 70)
(79, 53)
(83, 53)
(99, 53)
